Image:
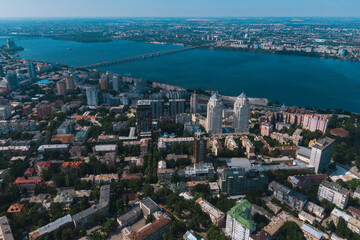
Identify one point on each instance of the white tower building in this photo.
(92, 96)
(241, 114)
(214, 115)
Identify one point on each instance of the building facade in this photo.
(333, 193)
(214, 115)
(241, 114)
(321, 153)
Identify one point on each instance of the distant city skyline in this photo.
(185, 8)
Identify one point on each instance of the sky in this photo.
(179, 8)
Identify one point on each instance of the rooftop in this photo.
(335, 187)
(237, 212)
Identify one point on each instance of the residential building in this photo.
(143, 116)
(41, 166)
(176, 106)
(239, 225)
(249, 147)
(68, 167)
(315, 209)
(130, 217)
(43, 110)
(200, 146)
(306, 181)
(216, 146)
(334, 193)
(357, 193)
(315, 122)
(312, 233)
(69, 81)
(239, 182)
(321, 153)
(193, 103)
(306, 217)
(230, 143)
(200, 171)
(5, 112)
(151, 231)
(165, 142)
(148, 206)
(214, 115)
(92, 96)
(5, 229)
(355, 212)
(241, 114)
(65, 128)
(60, 223)
(214, 189)
(61, 87)
(31, 70)
(12, 81)
(292, 198)
(54, 147)
(30, 183)
(217, 216)
(266, 129)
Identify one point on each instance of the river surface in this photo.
(292, 80)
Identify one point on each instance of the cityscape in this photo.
(92, 153)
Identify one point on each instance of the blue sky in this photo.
(179, 8)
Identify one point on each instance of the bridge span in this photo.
(134, 58)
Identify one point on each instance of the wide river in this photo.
(292, 80)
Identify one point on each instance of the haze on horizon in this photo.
(183, 8)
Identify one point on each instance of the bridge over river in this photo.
(135, 58)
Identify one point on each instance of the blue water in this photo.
(292, 80)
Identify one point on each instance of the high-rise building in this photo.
(31, 70)
(214, 115)
(116, 82)
(12, 81)
(334, 193)
(321, 153)
(143, 116)
(69, 81)
(193, 103)
(2, 74)
(239, 182)
(200, 146)
(239, 225)
(92, 96)
(177, 106)
(5, 112)
(104, 82)
(60, 87)
(241, 114)
(43, 110)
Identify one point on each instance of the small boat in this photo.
(68, 48)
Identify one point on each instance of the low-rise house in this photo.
(68, 167)
(200, 171)
(216, 215)
(357, 193)
(306, 217)
(41, 166)
(230, 143)
(30, 172)
(77, 151)
(315, 209)
(131, 176)
(16, 209)
(355, 212)
(214, 188)
(106, 178)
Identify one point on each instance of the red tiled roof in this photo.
(22, 180)
(45, 164)
(354, 210)
(130, 176)
(71, 164)
(15, 208)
